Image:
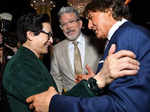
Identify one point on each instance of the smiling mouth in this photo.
(70, 31)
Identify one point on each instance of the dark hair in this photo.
(30, 22)
(119, 9)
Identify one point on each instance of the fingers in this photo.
(128, 72)
(123, 73)
(78, 78)
(51, 88)
(30, 99)
(128, 63)
(112, 49)
(124, 53)
(81, 77)
(129, 67)
(31, 106)
(90, 71)
(132, 61)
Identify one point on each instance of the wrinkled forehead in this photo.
(68, 15)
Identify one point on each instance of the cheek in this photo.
(64, 30)
(44, 40)
(99, 31)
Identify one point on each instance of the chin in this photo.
(45, 52)
(100, 36)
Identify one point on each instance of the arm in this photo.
(22, 81)
(111, 66)
(55, 72)
(68, 100)
(126, 94)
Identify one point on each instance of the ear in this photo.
(29, 35)
(109, 11)
(81, 23)
(60, 27)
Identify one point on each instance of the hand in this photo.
(119, 64)
(40, 102)
(79, 77)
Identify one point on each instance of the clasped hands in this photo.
(116, 65)
(119, 64)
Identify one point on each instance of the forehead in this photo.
(96, 15)
(91, 14)
(70, 15)
(46, 26)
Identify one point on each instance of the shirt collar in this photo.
(80, 39)
(115, 27)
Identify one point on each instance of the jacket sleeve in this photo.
(55, 72)
(125, 94)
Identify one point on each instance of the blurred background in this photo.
(139, 10)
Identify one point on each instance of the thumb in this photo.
(112, 49)
(29, 99)
(90, 71)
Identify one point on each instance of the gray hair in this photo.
(68, 10)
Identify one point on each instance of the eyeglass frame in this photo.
(50, 34)
(69, 22)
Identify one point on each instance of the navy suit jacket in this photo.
(126, 94)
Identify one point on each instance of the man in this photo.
(62, 65)
(25, 74)
(126, 94)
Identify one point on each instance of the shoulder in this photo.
(61, 44)
(130, 32)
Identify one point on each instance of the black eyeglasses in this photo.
(49, 34)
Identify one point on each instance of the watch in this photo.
(92, 84)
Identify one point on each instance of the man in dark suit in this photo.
(108, 18)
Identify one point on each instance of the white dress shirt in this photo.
(81, 46)
(112, 31)
(115, 27)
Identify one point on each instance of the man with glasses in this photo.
(25, 74)
(62, 65)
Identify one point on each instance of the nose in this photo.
(50, 40)
(68, 25)
(90, 25)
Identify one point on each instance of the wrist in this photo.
(93, 85)
(100, 80)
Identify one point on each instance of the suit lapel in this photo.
(87, 56)
(113, 40)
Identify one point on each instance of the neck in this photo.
(31, 48)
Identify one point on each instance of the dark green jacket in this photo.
(24, 76)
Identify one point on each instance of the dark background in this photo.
(139, 10)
